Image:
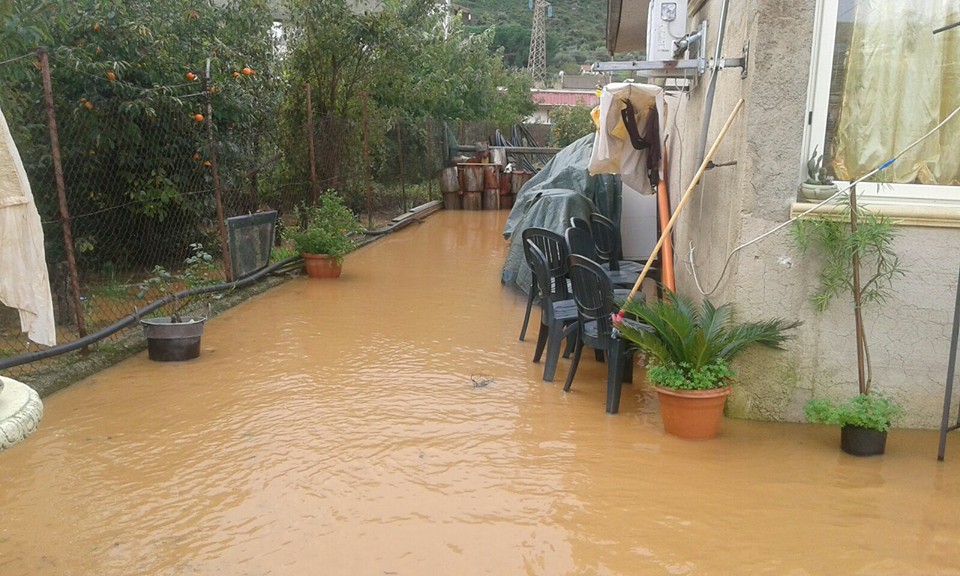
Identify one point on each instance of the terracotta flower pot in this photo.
(692, 414)
(321, 266)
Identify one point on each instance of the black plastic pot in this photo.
(169, 341)
(859, 441)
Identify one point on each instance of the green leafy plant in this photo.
(816, 172)
(199, 269)
(570, 123)
(872, 411)
(689, 346)
(858, 259)
(325, 228)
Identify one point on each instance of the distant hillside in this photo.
(575, 32)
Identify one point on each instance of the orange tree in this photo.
(129, 103)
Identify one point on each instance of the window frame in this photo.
(815, 127)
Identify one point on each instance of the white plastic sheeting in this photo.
(24, 283)
(613, 152)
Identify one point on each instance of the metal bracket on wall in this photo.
(678, 68)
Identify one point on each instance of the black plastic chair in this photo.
(606, 237)
(556, 314)
(554, 248)
(580, 242)
(593, 294)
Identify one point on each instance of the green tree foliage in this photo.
(132, 147)
(570, 123)
(407, 63)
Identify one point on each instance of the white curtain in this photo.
(24, 283)
(901, 81)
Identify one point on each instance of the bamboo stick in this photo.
(683, 201)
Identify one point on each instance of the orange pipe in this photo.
(663, 207)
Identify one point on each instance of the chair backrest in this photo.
(606, 238)
(580, 242)
(578, 222)
(554, 248)
(541, 273)
(593, 293)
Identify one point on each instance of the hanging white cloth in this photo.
(24, 283)
(613, 152)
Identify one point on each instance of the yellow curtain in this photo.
(901, 81)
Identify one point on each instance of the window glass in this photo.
(893, 80)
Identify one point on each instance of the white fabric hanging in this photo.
(613, 152)
(24, 283)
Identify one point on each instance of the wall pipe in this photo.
(135, 317)
(712, 86)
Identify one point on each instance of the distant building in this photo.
(549, 100)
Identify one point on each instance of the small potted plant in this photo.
(863, 420)
(859, 260)
(176, 338)
(818, 186)
(689, 349)
(323, 236)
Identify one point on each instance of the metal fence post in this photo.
(61, 192)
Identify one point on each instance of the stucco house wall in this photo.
(909, 335)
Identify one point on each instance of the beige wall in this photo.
(909, 335)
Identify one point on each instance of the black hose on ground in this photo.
(132, 319)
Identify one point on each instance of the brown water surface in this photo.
(334, 427)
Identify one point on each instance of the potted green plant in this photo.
(323, 235)
(863, 420)
(176, 338)
(818, 186)
(689, 348)
(858, 259)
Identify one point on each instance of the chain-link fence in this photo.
(150, 172)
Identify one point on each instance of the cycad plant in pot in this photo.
(818, 186)
(689, 348)
(323, 235)
(858, 259)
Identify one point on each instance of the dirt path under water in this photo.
(334, 427)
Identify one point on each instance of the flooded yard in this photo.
(336, 427)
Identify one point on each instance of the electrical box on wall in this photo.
(666, 23)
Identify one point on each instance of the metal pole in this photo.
(61, 192)
(313, 156)
(212, 145)
(366, 160)
(951, 366)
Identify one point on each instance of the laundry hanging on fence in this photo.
(24, 282)
(631, 120)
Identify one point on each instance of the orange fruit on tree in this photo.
(235, 74)
(206, 163)
(111, 76)
(191, 76)
(198, 117)
(196, 156)
(88, 105)
(247, 71)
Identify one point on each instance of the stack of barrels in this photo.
(476, 186)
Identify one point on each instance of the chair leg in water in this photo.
(526, 315)
(573, 365)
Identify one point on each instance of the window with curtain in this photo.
(885, 80)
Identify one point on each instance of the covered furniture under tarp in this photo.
(563, 189)
(24, 283)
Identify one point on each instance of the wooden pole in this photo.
(366, 160)
(403, 190)
(212, 145)
(686, 198)
(65, 223)
(857, 300)
(313, 156)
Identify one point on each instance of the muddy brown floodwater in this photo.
(334, 427)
